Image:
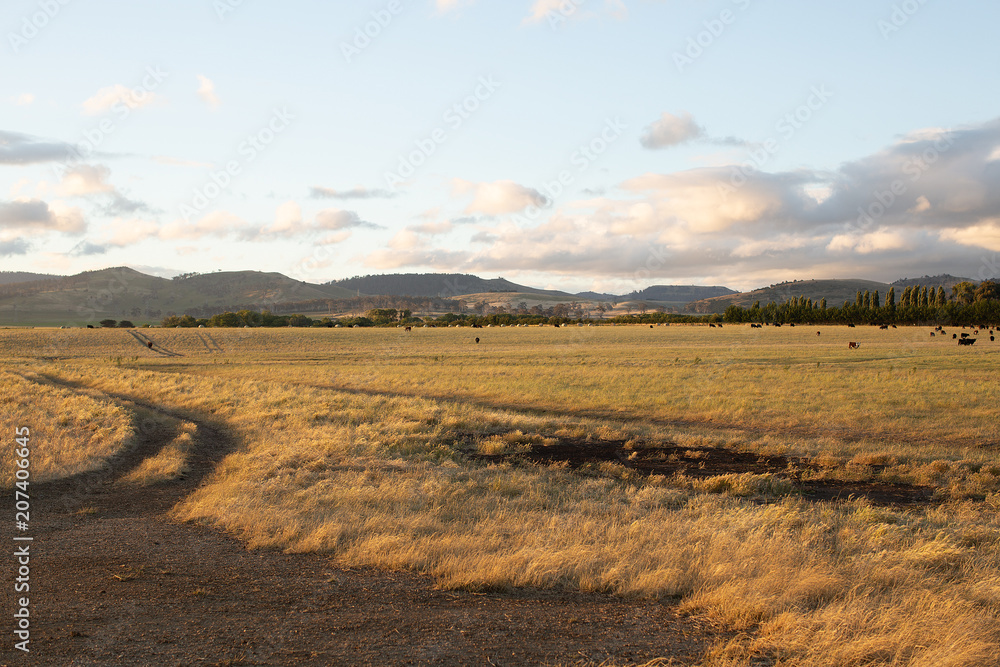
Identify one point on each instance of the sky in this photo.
(602, 145)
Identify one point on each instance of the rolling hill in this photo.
(10, 277)
(123, 293)
(445, 285)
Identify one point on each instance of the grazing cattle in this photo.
(650, 326)
(932, 334)
(954, 336)
(966, 341)
(818, 333)
(408, 329)
(711, 325)
(853, 346)
(883, 326)
(893, 326)
(477, 340)
(90, 326)
(850, 325)
(965, 335)
(792, 324)
(149, 344)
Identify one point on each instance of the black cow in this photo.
(149, 344)
(967, 341)
(477, 341)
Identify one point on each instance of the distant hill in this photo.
(678, 293)
(10, 277)
(123, 293)
(597, 296)
(944, 280)
(447, 285)
(834, 291)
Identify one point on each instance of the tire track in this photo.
(116, 581)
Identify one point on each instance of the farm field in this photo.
(804, 503)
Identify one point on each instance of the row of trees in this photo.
(968, 304)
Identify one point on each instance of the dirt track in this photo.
(116, 582)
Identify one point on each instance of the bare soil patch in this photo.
(702, 462)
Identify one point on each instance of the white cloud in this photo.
(33, 216)
(497, 198)
(107, 98)
(125, 232)
(359, 192)
(557, 11)
(451, 5)
(216, 224)
(983, 235)
(21, 149)
(922, 205)
(85, 179)
(206, 91)
(25, 99)
(881, 240)
(671, 130)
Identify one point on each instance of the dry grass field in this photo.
(719, 450)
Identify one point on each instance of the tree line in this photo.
(968, 304)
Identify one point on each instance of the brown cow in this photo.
(853, 346)
(149, 344)
(408, 329)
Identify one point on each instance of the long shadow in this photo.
(204, 342)
(149, 343)
(218, 348)
(211, 444)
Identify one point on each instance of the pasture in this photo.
(822, 505)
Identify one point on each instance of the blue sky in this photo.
(573, 144)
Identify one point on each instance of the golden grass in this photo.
(380, 476)
(169, 464)
(70, 432)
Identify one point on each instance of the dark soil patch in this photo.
(115, 581)
(702, 462)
